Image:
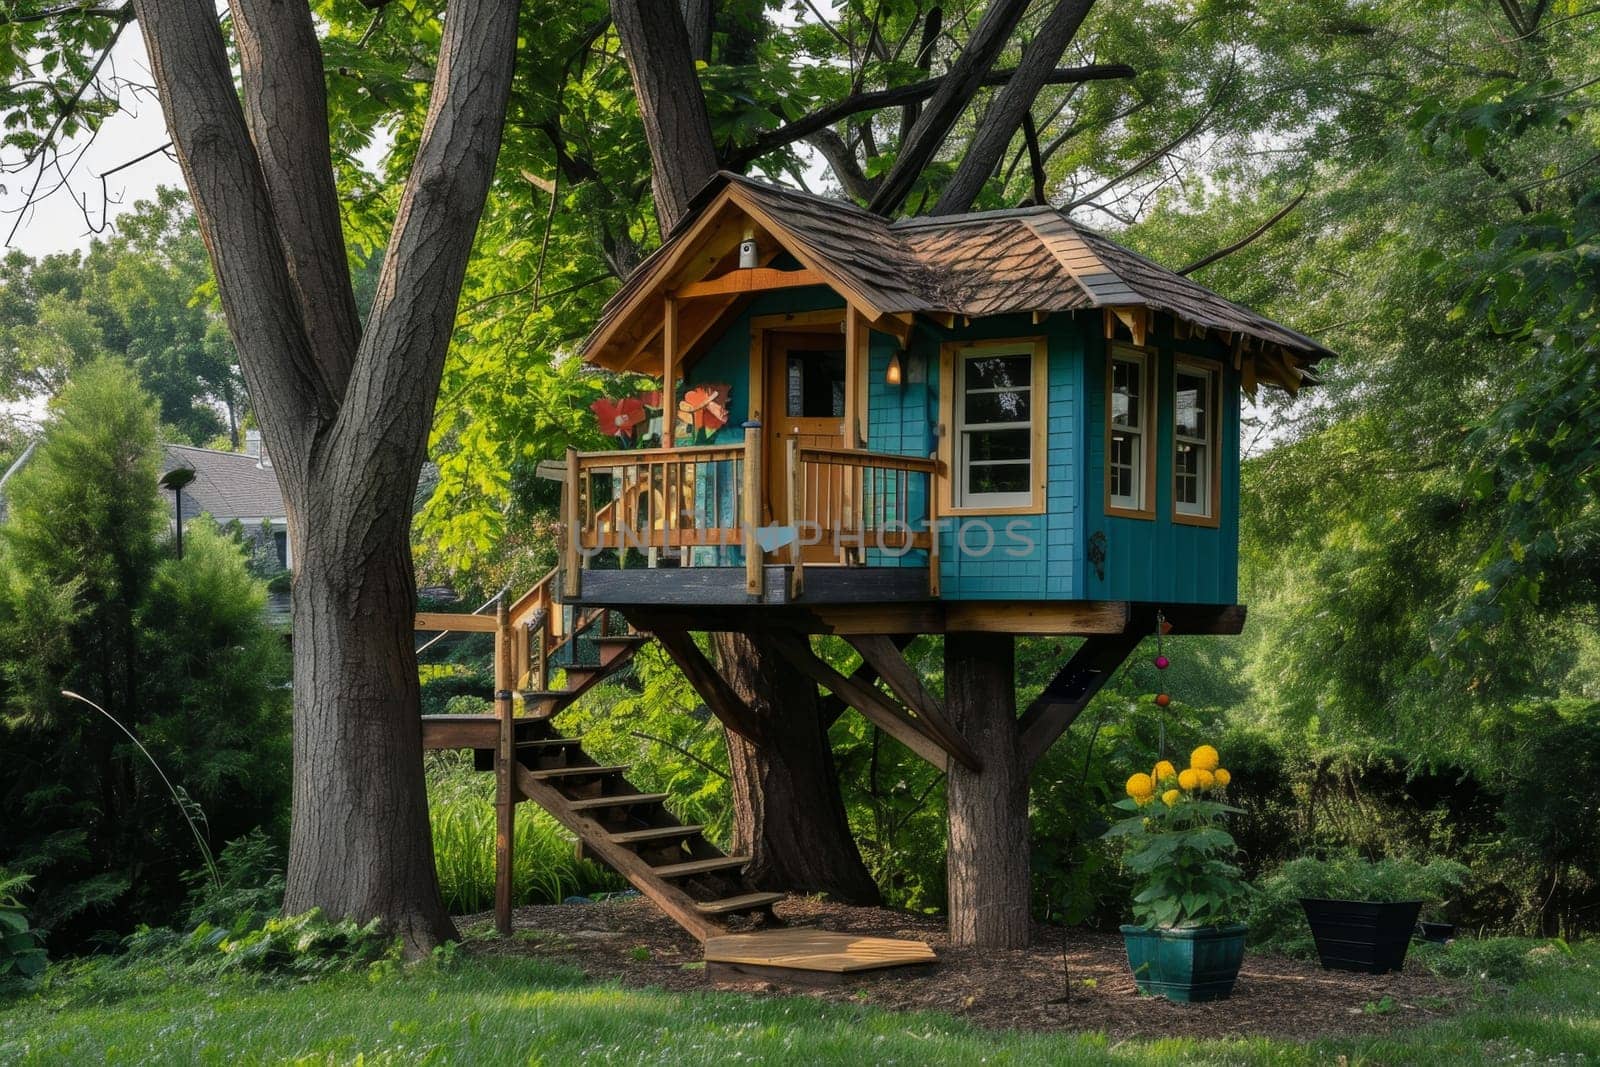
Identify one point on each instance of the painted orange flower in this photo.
(705, 407)
(618, 417)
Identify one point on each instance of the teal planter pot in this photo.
(1189, 965)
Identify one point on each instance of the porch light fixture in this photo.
(747, 250)
(892, 375)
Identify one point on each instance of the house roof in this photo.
(227, 485)
(975, 265)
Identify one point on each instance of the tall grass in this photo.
(545, 866)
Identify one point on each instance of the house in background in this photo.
(237, 487)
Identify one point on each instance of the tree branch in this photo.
(803, 128)
(189, 62)
(116, 14)
(286, 109)
(955, 91)
(1228, 250)
(1001, 120)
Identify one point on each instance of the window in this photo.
(815, 385)
(1194, 442)
(1129, 417)
(999, 402)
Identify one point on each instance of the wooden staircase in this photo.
(630, 831)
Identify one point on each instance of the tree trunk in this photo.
(359, 792)
(660, 57)
(788, 815)
(987, 862)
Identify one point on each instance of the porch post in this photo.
(750, 513)
(505, 786)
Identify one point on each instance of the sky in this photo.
(58, 223)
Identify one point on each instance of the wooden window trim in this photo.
(1213, 370)
(1040, 467)
(1151, 435)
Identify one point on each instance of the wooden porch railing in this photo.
(661, 501)
(864, 502)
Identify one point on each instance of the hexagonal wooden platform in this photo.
(811, 957)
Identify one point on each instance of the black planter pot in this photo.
(1362, 935)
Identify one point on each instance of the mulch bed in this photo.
(630, 941)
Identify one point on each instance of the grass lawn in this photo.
(502, 1010)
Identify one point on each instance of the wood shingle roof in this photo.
(975, 265)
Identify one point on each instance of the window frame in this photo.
(952, 469)
(1149, 432)
(1211, 370)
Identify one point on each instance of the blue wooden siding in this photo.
(1043, 556)
(1157, 559)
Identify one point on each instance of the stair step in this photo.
(624, 639)
(578, 772)
(745, 902)
(551, 742)
(656, 833)
(684, 870)
(621, 800)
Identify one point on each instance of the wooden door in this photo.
(805, 402)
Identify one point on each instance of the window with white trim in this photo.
(1126, 448)
(1194, 443)
(995, 409)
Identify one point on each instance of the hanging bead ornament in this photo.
(1163, 627)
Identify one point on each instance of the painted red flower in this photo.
(651, 400)
(705, 407)
(618, 417)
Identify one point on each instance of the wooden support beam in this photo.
(462, 622)
(505, 785)
(712, 687)
(879, 709)
(571, 559)
(669, 371)
(885, 658)
(1223, 619)
(748, 280)
(1070, 691)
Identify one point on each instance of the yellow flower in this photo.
(1165, 770)
(1171, 797)
(1207, 779)
(1189, 779)
(1223, 777)
(1140, 787)
(1205, 758)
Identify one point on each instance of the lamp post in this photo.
(174, 481)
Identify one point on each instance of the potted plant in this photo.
(1363, 914)
(1187, 942)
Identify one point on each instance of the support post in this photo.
(669, 372)
(571, 559)
(505, 783)
(988, 882)
(797, 511)
(933, 527)
(750, 514)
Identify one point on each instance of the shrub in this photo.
(1491, 959)
(22, 956)
(249, 889)
(1277, 922)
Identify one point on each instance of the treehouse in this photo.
(974, 420)
(977, 426)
